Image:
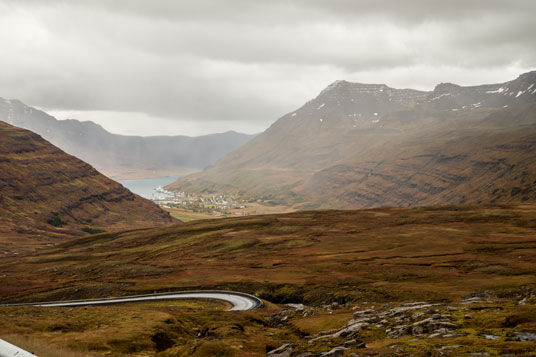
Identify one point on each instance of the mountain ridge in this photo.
(349, 123)
(122, 156)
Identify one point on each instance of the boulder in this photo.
(417, 330)
(282, 351)
(525, 336)
(336, 352)
(436, 325)
(472, 300)
(398, 331)
(491, 337)
(403, 309)
(364, 313)
(351, 330)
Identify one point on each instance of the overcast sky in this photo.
(197, 67)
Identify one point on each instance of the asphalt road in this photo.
(9, 350)
(239, 301)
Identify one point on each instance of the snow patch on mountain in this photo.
(440, 96)
(500, 90)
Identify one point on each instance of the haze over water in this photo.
(146, 188)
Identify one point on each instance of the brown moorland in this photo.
(47, 195)
(332, 261)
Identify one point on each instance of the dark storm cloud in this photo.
(243, 60)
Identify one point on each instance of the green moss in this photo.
(56, 221)
(298, 243)
(520, 318)
(130, 346)
(93, 230)
(213, 348)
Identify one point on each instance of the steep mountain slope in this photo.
(311, 133)
(491, 161)
(46, 193)
(323, 154)
(123, 156)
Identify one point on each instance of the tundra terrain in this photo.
(432, 277)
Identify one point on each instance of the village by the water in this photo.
(196, 203)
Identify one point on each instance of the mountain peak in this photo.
(527, 75)
(446, 88)
(345, 85)
(338, 84)
(526, 79)
(343, 91)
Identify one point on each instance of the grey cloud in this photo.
(244, 60)
(281, 11)
(254, 10)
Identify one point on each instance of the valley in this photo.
(119, 156)
(267, 178)
(335, 263)
(433, 252)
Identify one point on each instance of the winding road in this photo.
(239, 301)
(9, 350)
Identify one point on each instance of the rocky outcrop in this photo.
(419, 319)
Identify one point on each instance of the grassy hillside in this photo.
(47, 195)
(351, 258)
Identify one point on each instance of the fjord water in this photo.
(146, 188)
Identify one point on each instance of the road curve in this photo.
(239, 301)
(9, 350)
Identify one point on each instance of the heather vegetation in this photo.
(465, 272)
(259, 210)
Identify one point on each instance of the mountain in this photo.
(122, 156)
(367, 145)
(47, 194)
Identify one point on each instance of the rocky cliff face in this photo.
(364, 145)
(46, 193)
